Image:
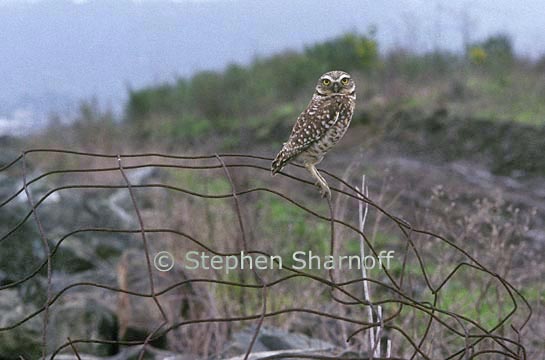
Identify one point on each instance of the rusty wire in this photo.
(508, 346)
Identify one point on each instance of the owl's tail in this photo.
(279, 161)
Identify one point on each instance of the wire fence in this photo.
(382, 315)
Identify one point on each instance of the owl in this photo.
(320, 126)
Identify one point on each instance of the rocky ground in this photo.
(406, 167)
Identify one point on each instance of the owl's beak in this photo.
(336, 87)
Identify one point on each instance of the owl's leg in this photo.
(320, 181)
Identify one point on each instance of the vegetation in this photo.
(259, 101)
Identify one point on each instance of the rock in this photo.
(25, 339)
(274, 339)
(81, 318)
(130, 353)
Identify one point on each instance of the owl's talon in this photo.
(325, 191)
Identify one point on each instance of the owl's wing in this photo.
(311, 125)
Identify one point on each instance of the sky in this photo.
(54, 53)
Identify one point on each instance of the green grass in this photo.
(293, 226)
(195, 181)
(471, 303)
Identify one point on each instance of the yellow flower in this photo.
(477, 55)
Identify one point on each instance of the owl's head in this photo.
(335, 82)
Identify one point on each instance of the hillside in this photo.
(487, 104)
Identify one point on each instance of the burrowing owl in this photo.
(320, 126)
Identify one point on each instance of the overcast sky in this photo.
(54, 52)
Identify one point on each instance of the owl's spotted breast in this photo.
(335, 126)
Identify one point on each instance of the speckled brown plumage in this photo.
(321, 125)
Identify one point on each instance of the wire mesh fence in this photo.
(401, 313)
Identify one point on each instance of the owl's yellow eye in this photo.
(345, 81)
(326, 82)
